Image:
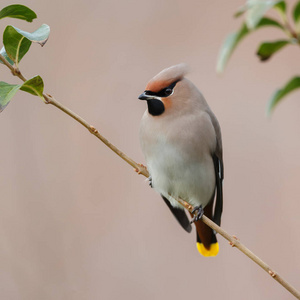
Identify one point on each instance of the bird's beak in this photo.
(144, 96)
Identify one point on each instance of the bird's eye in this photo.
(168, 92)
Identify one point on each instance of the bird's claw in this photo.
(150, 181)
(139, 170)
(198, 213)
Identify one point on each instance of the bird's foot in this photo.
(140, 169)
(150, 181)
(198, 213)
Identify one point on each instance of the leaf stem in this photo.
(286, 25)
(14, 70)
(291, 31)
(143, 170)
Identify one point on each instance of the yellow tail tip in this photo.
(213, 250)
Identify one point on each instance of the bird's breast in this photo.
(179, 165)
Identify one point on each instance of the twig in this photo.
(95, 132)
(236, 243)
(51, 100)
(287, 26)
(143, 170)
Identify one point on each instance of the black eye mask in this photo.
(164, 92)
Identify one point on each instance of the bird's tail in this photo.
(208, 247)
(207, 243)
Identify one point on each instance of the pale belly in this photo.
(177, 175)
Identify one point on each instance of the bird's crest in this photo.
(167, 77)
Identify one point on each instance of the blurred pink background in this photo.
(78, 223)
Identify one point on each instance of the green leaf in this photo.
(267, 49)
(290, 86)
(281, 9)
(257, 9)
(228, 47)
(34, 86)
(16, 45)
(39, 36)
(17, 42)
(296, 16)
(7, 91)
(269, 22)
(4, 54)
(234, 39)
(281, 6)
(19, 12)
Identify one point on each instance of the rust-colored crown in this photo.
(166, 77)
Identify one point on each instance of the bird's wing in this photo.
(219, 191)
(219, 169)
(180, 215)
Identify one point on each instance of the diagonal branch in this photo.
(143, 170)
(51, 100)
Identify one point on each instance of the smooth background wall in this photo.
(77, 222)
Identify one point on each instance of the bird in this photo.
(180, 138)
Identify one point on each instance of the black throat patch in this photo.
(155, 107)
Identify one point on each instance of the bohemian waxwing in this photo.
(181, 140)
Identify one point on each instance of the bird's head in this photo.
(168, 91)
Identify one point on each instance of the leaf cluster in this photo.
(16, 43)
(255, 18)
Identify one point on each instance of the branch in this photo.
(236, 243)
(143, 170)
(51, 100)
